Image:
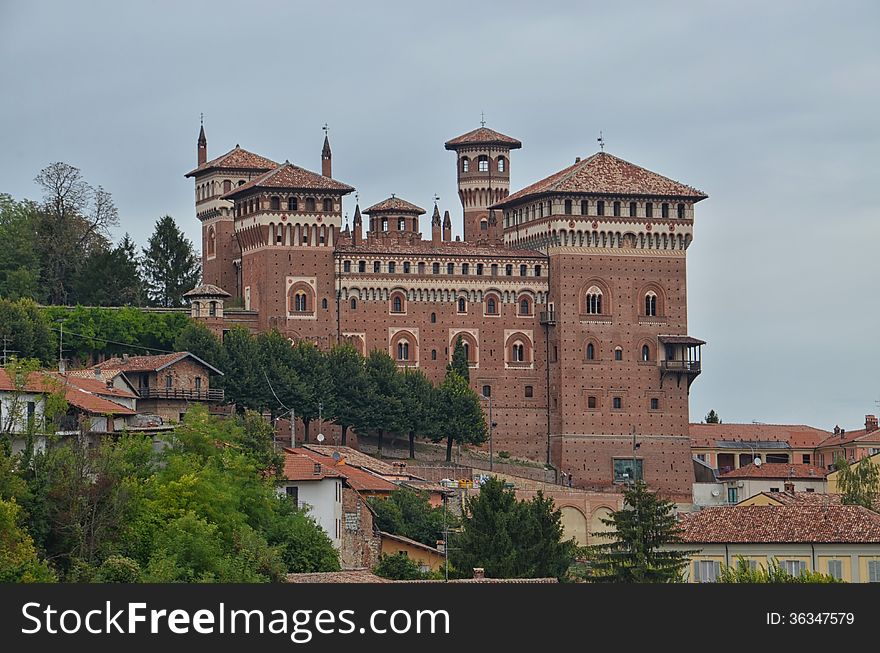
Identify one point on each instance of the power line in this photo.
(112, 342)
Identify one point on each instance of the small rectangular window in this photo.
(377, 267)
(479, 269)
(529, 391)
(600, 208)
(406, 267)
(706, 571)
(422, 269)
(487, 390)
(523, 270)
(633, 209)
(617, 403)
(874, 571)
(655, 403)
(585, 206)
(649, 209)
(435, 268)
(494, 269)
(835, 569)
(617, 209)
(346, 266)
(392, 267)
(465, 268)
(591, 403)
(362, 266)
(805, 459)
(450, 268)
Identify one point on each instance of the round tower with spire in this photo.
(483, 164)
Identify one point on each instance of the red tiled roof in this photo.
(290, 176)
(798, 523)
(236, 159)
(48, 382)
(207, 290)
(394, 204)
(483, 136)
(355, 457)
(359, 479)
(299, 467)
(802, 498)
(346, 576)
(36, 382)
(426, 248)
(606, 174)
(776, 470)
(92, 403)
(150, 363)
(96, 386)
(849, 437)
(406, 540)
(798, 436)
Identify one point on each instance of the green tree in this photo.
(19, 261)
(459, 361)
(19, 562)
(859, 484)
(510, 538)
(386, 392)
(315, 397)
(111, 277)
(351, 388)
(200, 341)
(27, 331)
(712, 418)
(281, 385)
(119, 569)
(398, 566)
(171, 266)
(637, 548)
(74, 221)
(742, 572)
(459, 415)
(419, 404)
(408, 512)
(243, 379)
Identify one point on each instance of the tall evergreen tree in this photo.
(637, 548)
(459, 362)
(712, 418)
(351, 389)
(387, 413)
(171, 266)
(315, 396)
(199, 340)
(418, 406)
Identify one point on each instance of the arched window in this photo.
(433, 318)
(649, 209)
(484, 225)
(328, 205)
(292, 204)
(681, 211)
(585, 207)
(406, 267)
(646, 353)
(467, 350)
(212, 241)
(500, 164)
(227, 186)
(397, 304)
(508, 270)
(401, 224)
(591, 352)
(633, 208)
(518, 353)
(618, 354)
(433, 354)
(462, 306)
(299, 302)
(465, 164)
(392, 267)
(617, 209)
(377, 266)
(324, 303)
(483, 163)
(651, 303)
(594, 301)
(491, 306)
(600, 208)
(310, 204)
(537, 270)
(524, 307)
(354, 303)
(435, 268)
(664, 210)
(403, 350)
(567, 207)
(275, 203)
(212, 309)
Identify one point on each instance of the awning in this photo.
(681, 340)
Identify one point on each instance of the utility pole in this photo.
(6, 350)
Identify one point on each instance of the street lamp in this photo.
(492, 426)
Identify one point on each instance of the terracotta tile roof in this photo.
(48, 382)
(606, 174)
(426, 248)
(235, 159)
(359, 479)
(150, 363)
(90, 383)
(348, 576)
(483, 136)
(394, 204)
(797, 436)
(776, 470)
(802, 498)
(299, 467)
(355, 457)
(406, 540)
(289, 176)
(207, 290)
(798, 523)
(861, 435)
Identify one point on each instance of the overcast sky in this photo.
(769, 107)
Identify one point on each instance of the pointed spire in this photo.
(435, 218)
(202, 147)
(447, 226)
(326, 154)
(357, 230)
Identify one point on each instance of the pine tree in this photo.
(111, 277)
(636, 551)
(459, 361)
(712, 418)
(171, 266)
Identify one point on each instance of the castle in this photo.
(569, 295)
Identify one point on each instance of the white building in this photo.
(317, 488)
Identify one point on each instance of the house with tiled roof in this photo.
(314, 487)
(166, 384)
(839, 540)
(428, 558)
(851, 446)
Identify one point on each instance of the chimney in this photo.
(789, 487)
(577, 159)
(870, 423)
(97, 373)
(479, 573)
(317, 468)
(125, 357)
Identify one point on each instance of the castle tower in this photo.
(357, 227)
(394, 217)
(447, 227)
(483, 164)
(621, 359)
(326, 158)
(436, 229)
(221, 253)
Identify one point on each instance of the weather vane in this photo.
(357, 198)
(202, 119)
(436, 198)
(601, 142)
(326, 129)
(482, 119)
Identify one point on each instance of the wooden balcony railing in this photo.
(208, 394)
